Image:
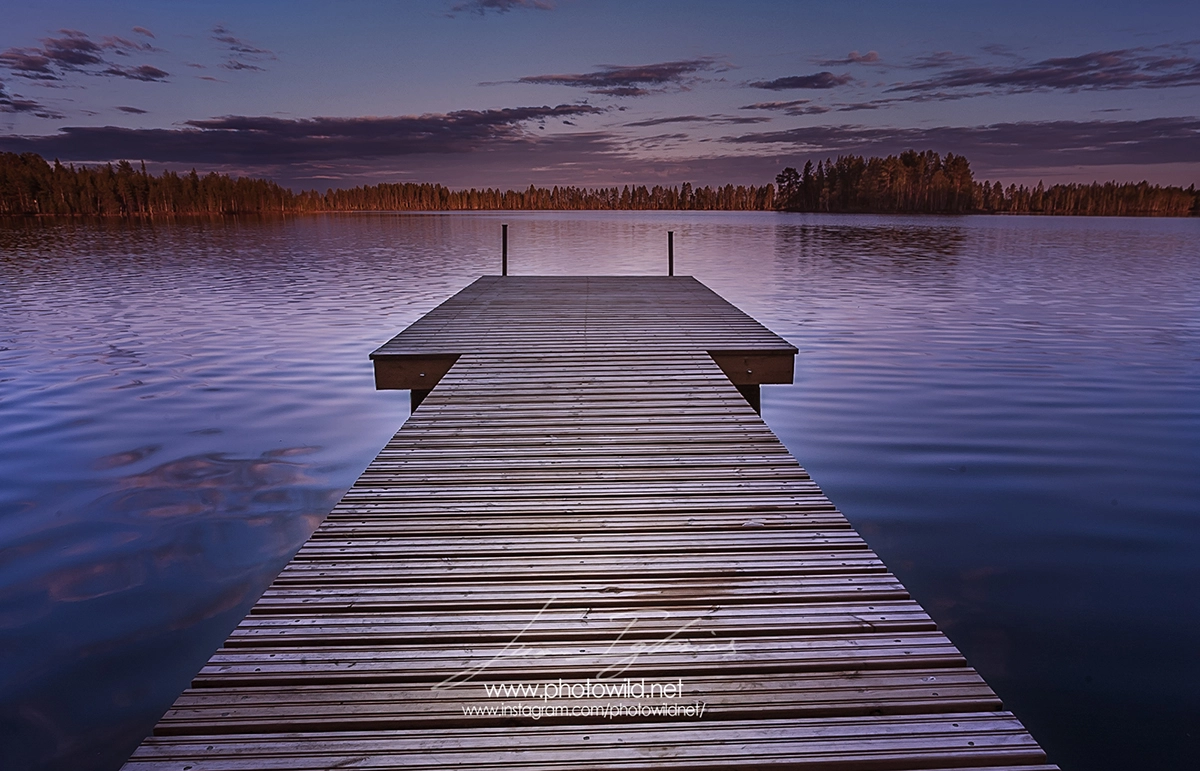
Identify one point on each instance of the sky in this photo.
(509, 93)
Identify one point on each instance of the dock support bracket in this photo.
(753, 395)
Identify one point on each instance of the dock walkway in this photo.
(586, 495)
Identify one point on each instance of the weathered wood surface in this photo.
(585, 495)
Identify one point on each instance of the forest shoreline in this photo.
(909, 183)
(259, 215)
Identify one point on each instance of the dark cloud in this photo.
(718, 119)
(938, 60)
(14, 103)
(660, 143)
(221, 34)
(816, 80)
(675, 119)
(481, 7)
(143, 31)
(1095, 71)
(125, 47)
(598, 158)
(877, 104)
(998, 49)
(74, 51)
(575, 158)
(143, 72)
(793, 107)
(243, 55)
(1006, 145)
(28, 63)
(624, 91)
(266, 140)
(236, 64)
(918, 98)
(854, 57)
(742, 119)
(132, 110)
(636, 80)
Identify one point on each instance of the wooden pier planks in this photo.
(586, 494)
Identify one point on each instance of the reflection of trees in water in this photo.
(902, 249)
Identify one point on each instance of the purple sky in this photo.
(591, 92)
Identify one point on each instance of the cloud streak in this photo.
(1095, 71)
(242, 54)
(854, 57)
(1005, 145)
(15, 104)
(256, 141)
(144, 73)
(631, 80)
(938, 60)
(793, 107)
(818, 80)
(482, 7)
(715, 119)
(76, 52)
(124, 47)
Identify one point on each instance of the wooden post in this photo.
(504, 250)
(670, 252)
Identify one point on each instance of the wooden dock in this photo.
(586, 496)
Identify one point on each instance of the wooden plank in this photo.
(398, 521)
(507, 568)
(581, 544)
(895, 741)
(611, 624)
(593, 594)
(395, 707)
(431, 662)
(611, 514)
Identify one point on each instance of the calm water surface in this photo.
(1006, 408)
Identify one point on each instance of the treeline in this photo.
(911, 182)
(1109, 199)
(30, 186)
(927, 183)
(424, 197)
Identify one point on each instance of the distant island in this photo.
(909, 183)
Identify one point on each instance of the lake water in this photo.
(1008, 409)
